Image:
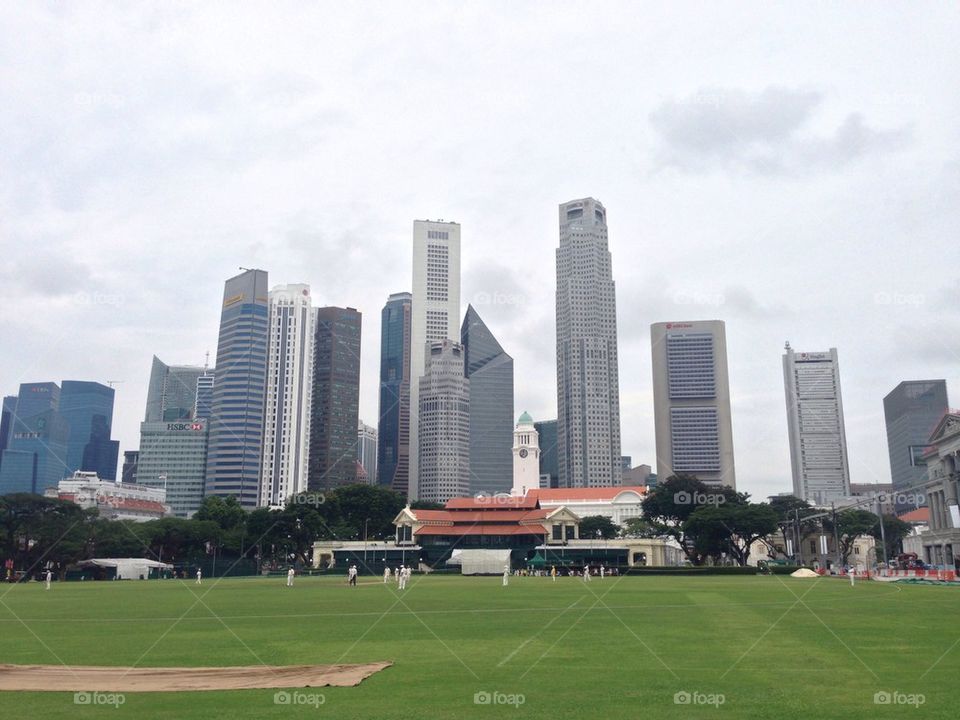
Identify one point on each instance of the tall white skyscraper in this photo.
(444, 419)
(286, 423)
(691, 401)
(818, 440)
(434, 312)
(588, 390)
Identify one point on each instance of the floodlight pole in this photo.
(883, 534)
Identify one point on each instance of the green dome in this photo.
(525, 418)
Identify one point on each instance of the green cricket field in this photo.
(467, 647)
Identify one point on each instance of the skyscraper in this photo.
(588, 391)
(36, 454)
(490, 371)
(286, 423)
(6, 421)
(691, 401)
(173, 456)
(912, 410)
(204, 403)
(444, 418)
(549, 470)
(393, 429)
(435, 312)
(367, 450)
(172, 392)
(336, 399)
(88, 409)
(236, 418)
(818, 440)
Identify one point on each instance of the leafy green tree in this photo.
(895, 530)
(35, 531)
(671, 502)
(367, 507)
(225, 512)
(851, 524)
(640, 527)
(591, 525)
(731, 529)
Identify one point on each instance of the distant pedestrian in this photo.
(290, 575)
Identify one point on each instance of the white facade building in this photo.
(115, 501)
(588, 388)
(434, 313)
(691, 401)
(818, 440)
(617, 503)
(526, 456)
(289, 392)
(444, 425)
(367, 450)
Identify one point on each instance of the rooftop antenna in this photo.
(206, 362)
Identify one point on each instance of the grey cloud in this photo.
(761, 133)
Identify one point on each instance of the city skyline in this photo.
(733, 189)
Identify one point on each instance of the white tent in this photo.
(127, 568)
(481, 562)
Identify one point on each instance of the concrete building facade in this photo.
(588, 388)
(911, 411)
(691, 401)
(435, 313)
(444, 420)
(818, 440)
(289, 395)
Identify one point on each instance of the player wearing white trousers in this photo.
(290, 574)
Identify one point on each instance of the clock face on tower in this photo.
(523, 452)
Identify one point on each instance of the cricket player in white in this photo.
(506, 575)
(586, 574)
(386, 575)
(199, 577)
(402, 577)
(853, 575)
(352, 575)
(49, 578)
(290, 574)
(602, 570)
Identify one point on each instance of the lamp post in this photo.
(365, 541)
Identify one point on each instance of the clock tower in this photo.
(526, 456)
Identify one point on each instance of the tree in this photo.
(788, 509)
(731, 529)
(673, 501)
(895, 530)
(591, 525)
(36, 530)
(851, 524)
(366, 511)
(425, 505)
(225, 512)
(639, 527)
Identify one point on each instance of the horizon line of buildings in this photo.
(278, 413)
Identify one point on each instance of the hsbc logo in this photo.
(180, 427)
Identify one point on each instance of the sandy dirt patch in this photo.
(121, 679)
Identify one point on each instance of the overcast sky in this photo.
(792, 170)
